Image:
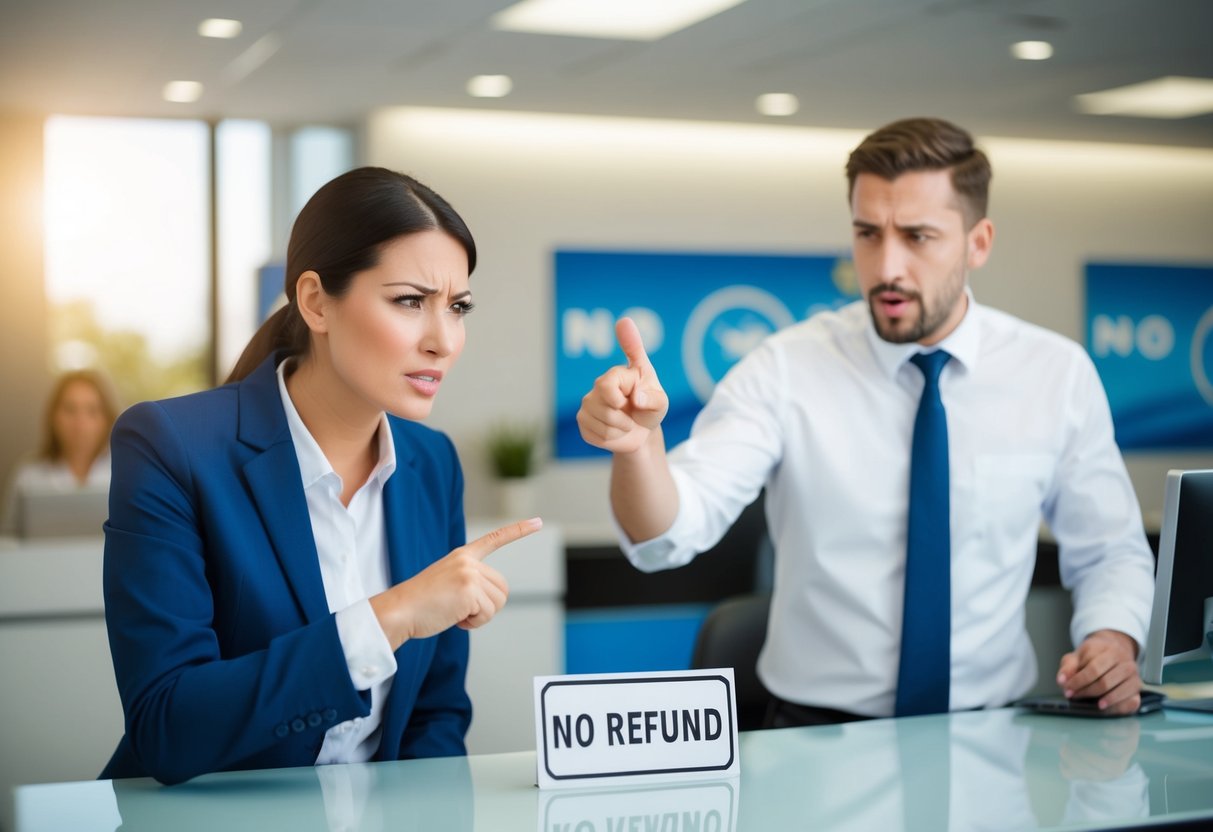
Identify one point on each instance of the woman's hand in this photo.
(458, 589)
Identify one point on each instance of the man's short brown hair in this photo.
(920, 144)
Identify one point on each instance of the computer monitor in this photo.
(49, 514)
(1181, 624)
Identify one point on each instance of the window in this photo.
(128, 251)
(128, 241)
(243, 152)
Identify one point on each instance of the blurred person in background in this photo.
(74, 451)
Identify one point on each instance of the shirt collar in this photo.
(963, 342)
(313, 464)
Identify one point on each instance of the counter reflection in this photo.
(709, 806)
(361, 797)
(989, 770)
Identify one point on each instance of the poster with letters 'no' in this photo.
(1149, 330)
(698, 314)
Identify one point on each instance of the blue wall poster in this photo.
(698, 314)
(1150, 333)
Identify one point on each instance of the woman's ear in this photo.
(312, 301)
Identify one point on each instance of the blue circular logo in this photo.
(722, 328)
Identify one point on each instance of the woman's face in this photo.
(79, 420)
(395, 334)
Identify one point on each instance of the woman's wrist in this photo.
(391, 617)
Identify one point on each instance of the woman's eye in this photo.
(408, 301)
(462, 307)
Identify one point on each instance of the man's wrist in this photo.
(1126, 640)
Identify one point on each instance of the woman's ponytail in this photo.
(284, 330)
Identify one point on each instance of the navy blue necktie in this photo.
(926, 655)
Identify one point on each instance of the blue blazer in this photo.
(225, 652)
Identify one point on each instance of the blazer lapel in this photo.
(400, 519)
(277, 487)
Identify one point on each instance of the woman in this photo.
(285, 561)
(74, 453)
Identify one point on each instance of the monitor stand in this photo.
(1201, 705)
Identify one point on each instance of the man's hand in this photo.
(626, 404)
(1104, 667)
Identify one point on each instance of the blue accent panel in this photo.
(270, 280)
(632, 638)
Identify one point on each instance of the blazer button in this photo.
(330, 715)
(281, 730)
(313, 719)
(297, 725)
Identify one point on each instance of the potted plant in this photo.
(511, 449)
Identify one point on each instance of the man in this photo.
(904, 491)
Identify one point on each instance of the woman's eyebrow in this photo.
(425, 290)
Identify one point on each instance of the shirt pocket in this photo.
(1010, 491)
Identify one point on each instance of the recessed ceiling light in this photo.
(1170, 97)
(622, 19)
(777, 104)
(490, 86)
(182, 92)
(1032, 50)
(220, 27)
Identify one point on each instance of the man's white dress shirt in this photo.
(352, 547)
(822, 414)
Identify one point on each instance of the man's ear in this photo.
(312, 301)
(980, 241)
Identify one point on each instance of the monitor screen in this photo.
(1183, 590)
(48, 514)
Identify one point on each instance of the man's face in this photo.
(912, 253)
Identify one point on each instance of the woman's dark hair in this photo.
(342, 231)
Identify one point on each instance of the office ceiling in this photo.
(852, 63)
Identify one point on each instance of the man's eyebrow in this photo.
(916, 227)
(922, 226)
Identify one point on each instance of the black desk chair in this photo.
(731, 636)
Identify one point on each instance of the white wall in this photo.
(529, 184)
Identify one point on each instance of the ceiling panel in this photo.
(852, 63)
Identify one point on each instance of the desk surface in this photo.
(978, 770)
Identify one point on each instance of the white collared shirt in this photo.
(822, 414)
(352, 546)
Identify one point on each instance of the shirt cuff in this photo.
(663, 551)
(1108, 617)
(368, 655)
